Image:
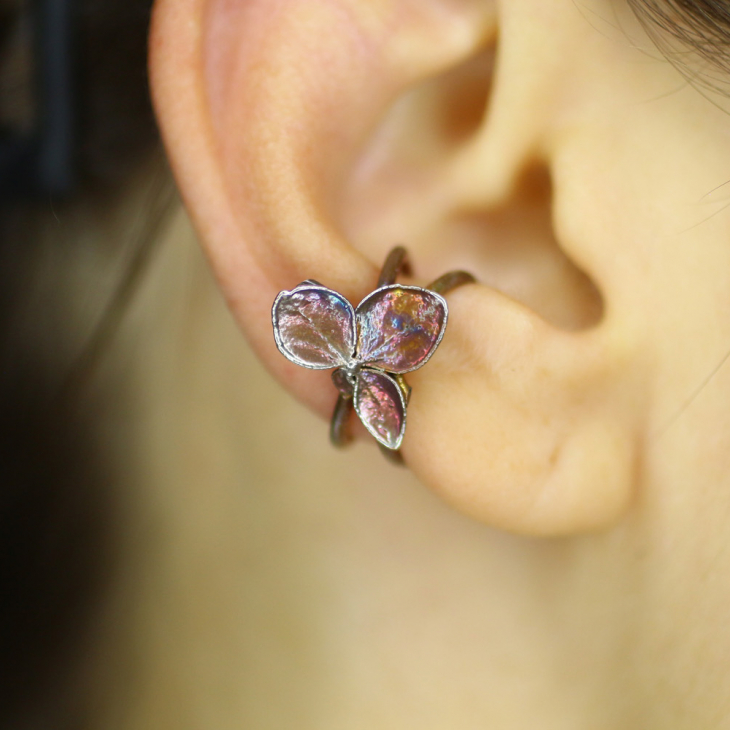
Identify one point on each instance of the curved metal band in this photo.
(339, 425)
(448, 282)
(396, 263)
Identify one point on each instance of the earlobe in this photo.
(276, 119)
(541, 427)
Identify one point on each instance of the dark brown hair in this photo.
(701, 27)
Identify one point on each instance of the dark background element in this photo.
(57, 482)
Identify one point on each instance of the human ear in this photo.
(308, 137)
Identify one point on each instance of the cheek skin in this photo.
(633, 175)
(674, 264)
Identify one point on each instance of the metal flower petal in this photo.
(399, 327)
(381, 405)
(314, 326)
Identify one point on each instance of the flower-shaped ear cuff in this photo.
(394, 330)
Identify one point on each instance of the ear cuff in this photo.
(393, 331)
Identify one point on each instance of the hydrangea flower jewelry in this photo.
(393, 331)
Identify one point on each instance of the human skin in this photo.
(551, 150)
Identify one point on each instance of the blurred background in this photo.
(76, 129)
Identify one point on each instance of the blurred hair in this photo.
(700, 27)
(66, 269)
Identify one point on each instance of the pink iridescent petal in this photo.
(381, 406)
(314, 326)
(399, 327)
